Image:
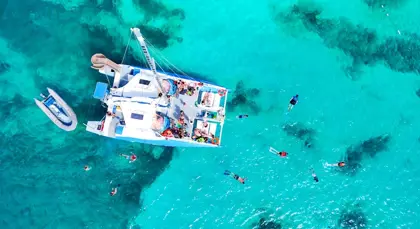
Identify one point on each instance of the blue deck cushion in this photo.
(135, 71)
(119, 129)
(49, 101)
(100, 90)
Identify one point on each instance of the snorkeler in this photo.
(281, 154)
(114, 190)
(236, 177)
(293, 101)
(314, 175)
(131, 157)
(242, 116)
(87, 168)
(339, 164)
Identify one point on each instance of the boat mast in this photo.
(149, 59)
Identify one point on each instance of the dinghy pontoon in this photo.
(57, 110)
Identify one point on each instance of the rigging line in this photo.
(159, 66)
(126, 47)
(155, 52)
(167, 62)
(168, 66)
(164, 58)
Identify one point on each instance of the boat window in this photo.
(136, 116)
(145, 82)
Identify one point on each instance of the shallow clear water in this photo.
(355, 69)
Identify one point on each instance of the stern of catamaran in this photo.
(94, 127)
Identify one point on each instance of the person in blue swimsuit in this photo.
(242, 116)
(235, 176)
(293, 102)
(314, 175)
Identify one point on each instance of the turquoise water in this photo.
(354, 64)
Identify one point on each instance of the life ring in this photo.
(221, 92)
(215, 141)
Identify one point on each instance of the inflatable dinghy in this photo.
(57, 110)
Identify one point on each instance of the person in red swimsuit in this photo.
(131, 157)
(114, 190)
(282, 154)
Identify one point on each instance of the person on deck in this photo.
(293, 101)
(236, 177)
(111, 114)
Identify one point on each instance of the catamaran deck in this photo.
(195, 113)
(148, 106)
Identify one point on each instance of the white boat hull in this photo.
(94, 127)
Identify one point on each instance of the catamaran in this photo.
(157, 107)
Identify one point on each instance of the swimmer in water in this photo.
(114, 190)
(131, 157)
(339, 164)
(314, 175)
(293, 101)
(281, 154)
(236, 177)
(87, 168)
(242, 116)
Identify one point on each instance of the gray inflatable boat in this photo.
(57, 110)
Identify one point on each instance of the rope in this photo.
(126, 47)
(167, 61)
